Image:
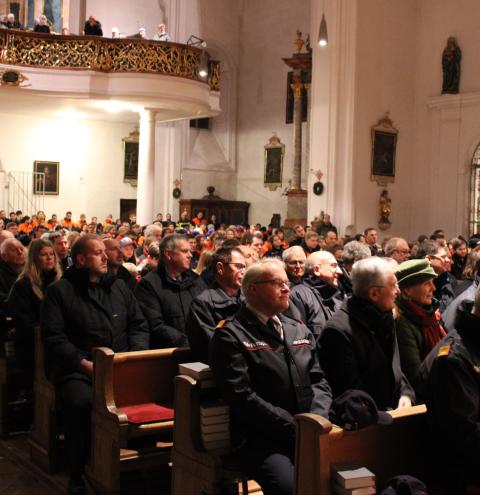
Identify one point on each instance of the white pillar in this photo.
(146, 167)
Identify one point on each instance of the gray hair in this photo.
(391, 245)
(292, 251)
(151, 229)
(428, 248)
(317, 258)
(170, 242)
(254, 272)
(369, 272)
(355, 251)
(10, 241)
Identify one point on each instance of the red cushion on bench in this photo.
(147, 413)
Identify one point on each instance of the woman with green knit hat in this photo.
(418, 319)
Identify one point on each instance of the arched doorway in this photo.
(474, 220)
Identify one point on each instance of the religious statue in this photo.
(385, 204)
(452, 55)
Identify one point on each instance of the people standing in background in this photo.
(162, 34)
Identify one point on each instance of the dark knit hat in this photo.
(413, 272)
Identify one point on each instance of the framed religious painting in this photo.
(274, 151)
(46, 177)
(130, 157)
(384, 144)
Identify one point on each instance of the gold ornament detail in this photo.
(105, 55)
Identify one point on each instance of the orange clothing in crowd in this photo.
(25, 228)
(51, 225)
(68, 224)
(81, 223)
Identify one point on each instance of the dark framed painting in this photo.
(289, 105)
(130, 157)
(46, 177)
(274, 152)
(384, 144)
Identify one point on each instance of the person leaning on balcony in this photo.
(162, 34)
(41, 25)
(12, 23)
(92, 27)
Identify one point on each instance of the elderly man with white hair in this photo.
(12, 23)
(322, 277)
(13, 256)
(302, 297)
(358, 348)
(266, 369)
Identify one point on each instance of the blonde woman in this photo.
(41, 269)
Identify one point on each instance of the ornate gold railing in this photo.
(104, 54)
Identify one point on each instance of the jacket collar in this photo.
(468, 325)
(80, 277)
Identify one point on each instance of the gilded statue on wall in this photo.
(385, 204)
(451, 58)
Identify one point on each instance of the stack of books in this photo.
(352, 479)
(200, 372)
(215, 426)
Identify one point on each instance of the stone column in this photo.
(146, 167)
(297, 87)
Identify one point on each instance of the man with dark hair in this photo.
(115, 263)
(166, 294)
(266, 369)
(60, 245)
(85, 309)
(299, 234)
(371, 239)
(220, 302)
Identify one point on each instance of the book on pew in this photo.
(215, 420)
(351, 475)
(214, 408)
(215, 427)
(366, 490)
(199, 371)
(215, 436)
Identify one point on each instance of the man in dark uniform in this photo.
(85, 309)
(220, 302)
(60, 245)
(453, 398)
(358, 347)
(266, 368)
(166, 294)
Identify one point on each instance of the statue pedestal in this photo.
(296, 208)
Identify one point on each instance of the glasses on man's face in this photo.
(295, 262)
(238, 266)
(441, 257)
(276, 282)
(394, 286)
(333, 266)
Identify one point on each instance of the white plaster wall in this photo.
(445, 138)
(90, 154)
(128, 16)
(267, 33)
(385, 81)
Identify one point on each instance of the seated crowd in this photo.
(92, 27)
(287, 325)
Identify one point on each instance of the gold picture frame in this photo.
(384, 145)
(130, 157)
(274, 152)
(46, 177)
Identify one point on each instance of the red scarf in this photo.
(432, 331)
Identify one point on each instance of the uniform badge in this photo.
(444, 350)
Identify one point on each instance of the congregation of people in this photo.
(92, 27)
(289, 321)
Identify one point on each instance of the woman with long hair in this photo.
(41, 269)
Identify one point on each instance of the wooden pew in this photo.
(195, 471)
(386, 450)
(45, 439)
(128, 379)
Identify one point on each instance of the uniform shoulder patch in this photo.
(221, 323)
(444, 350)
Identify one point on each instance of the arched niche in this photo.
(474, 218)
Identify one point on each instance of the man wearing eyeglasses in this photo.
(397, 249)
(358, 348)
(267, 371)
(217, 304)
(440, 260)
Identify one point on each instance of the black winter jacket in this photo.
(166, 303)
(78, 316)
(7, 278)
(358, 350)
(265, 380)
(206, 311)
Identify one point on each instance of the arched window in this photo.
(474, 222)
